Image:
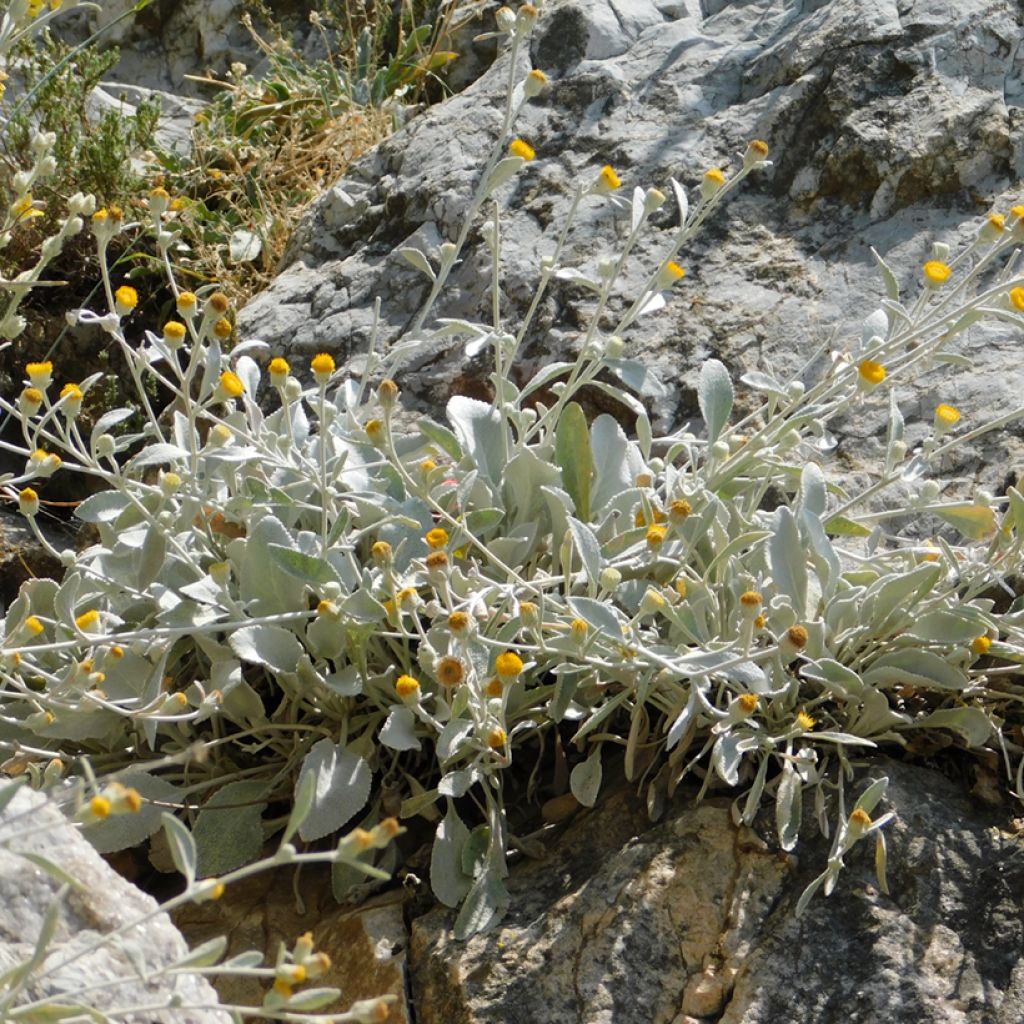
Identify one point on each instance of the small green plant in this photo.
(303, 590)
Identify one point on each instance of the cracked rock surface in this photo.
(692, 920)
(891, 125)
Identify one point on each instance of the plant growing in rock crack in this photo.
(37, 988)
(405, 616)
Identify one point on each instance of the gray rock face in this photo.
(692, 920)
(891, 125)
(81, 965)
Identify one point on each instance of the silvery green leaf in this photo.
(228, 832)
(244, 246)
(572, 276)
(892, 288)
(842, 682)
(652, 304)
(415, 258)
(602, 615)
(875, 715)
(312, 999)
(915, 667)
(947, 626)
(277, 648)
(451, 738)
(976, 522)
(684, 204)
(181, 845)
(311, 570)
(250, 958)
(788, 560)
(788, 806)
(872, 795)
(763, 382)
(876, 325)
(54, 870)
(588, 547)
(247, 370)
(485, 905)
(813, 496)
(399, 730)
(574, 457)
(457, 783)
(637, 376)
(152, 557)
(714, 396)
(564, 691)
(971, 722)
(106, 421)
(342, 788)
(585, 778)
(504, 171)
(619, 464)
(726, 755)
(637, 208)
(686, 718)
(305, 791)
(204, 955)
(841, 526)
(475, 850)
(544, 377)
(103, 507)
(123, 831)
(447, 880)
(481, 432)
(156, 455)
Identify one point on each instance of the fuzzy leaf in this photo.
(272, 646)
(715, 397)
(447, 880)
(415, 258)
(399, 731)
(244, 246)
(228, 836)
(585, 778)
(574, 458)
(915, 667)
(976, 522)
(342, 788)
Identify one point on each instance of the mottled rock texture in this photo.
(89, 960)
(891, 125)
(693, 919)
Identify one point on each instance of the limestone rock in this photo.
(891, 125)
(693, 919)
(89, 960)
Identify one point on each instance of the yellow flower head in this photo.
(219, 303)
(407, 686)
(712, 183)
(981, 644)
(382, 553)
(756, 154)
(655, 536)
(87, 620)
(497, 738)
(747, 702)
(427, 466)
(174, 334)
(30, 401)
(437, 561)
(522, 149)
(450, 672)
(375, 430)
(871, 373)
(459, 622)
(860, 818)
(437, 537)
(805, 721)
(508, 665)
(73, 398)
(608, 180)
(126, 298)
(279, 370)
(936, 273)
(946, 417)
(222, 329)
(669, 274)
(494, 688)
(797, 636)
(1017, 299)
(34, 625)
(751, 599)
(40, 375)
(678, 511)
(100, 807)
(715, 176)
(231, 384)
(322, 367)
(186, 304)
(28, 502)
